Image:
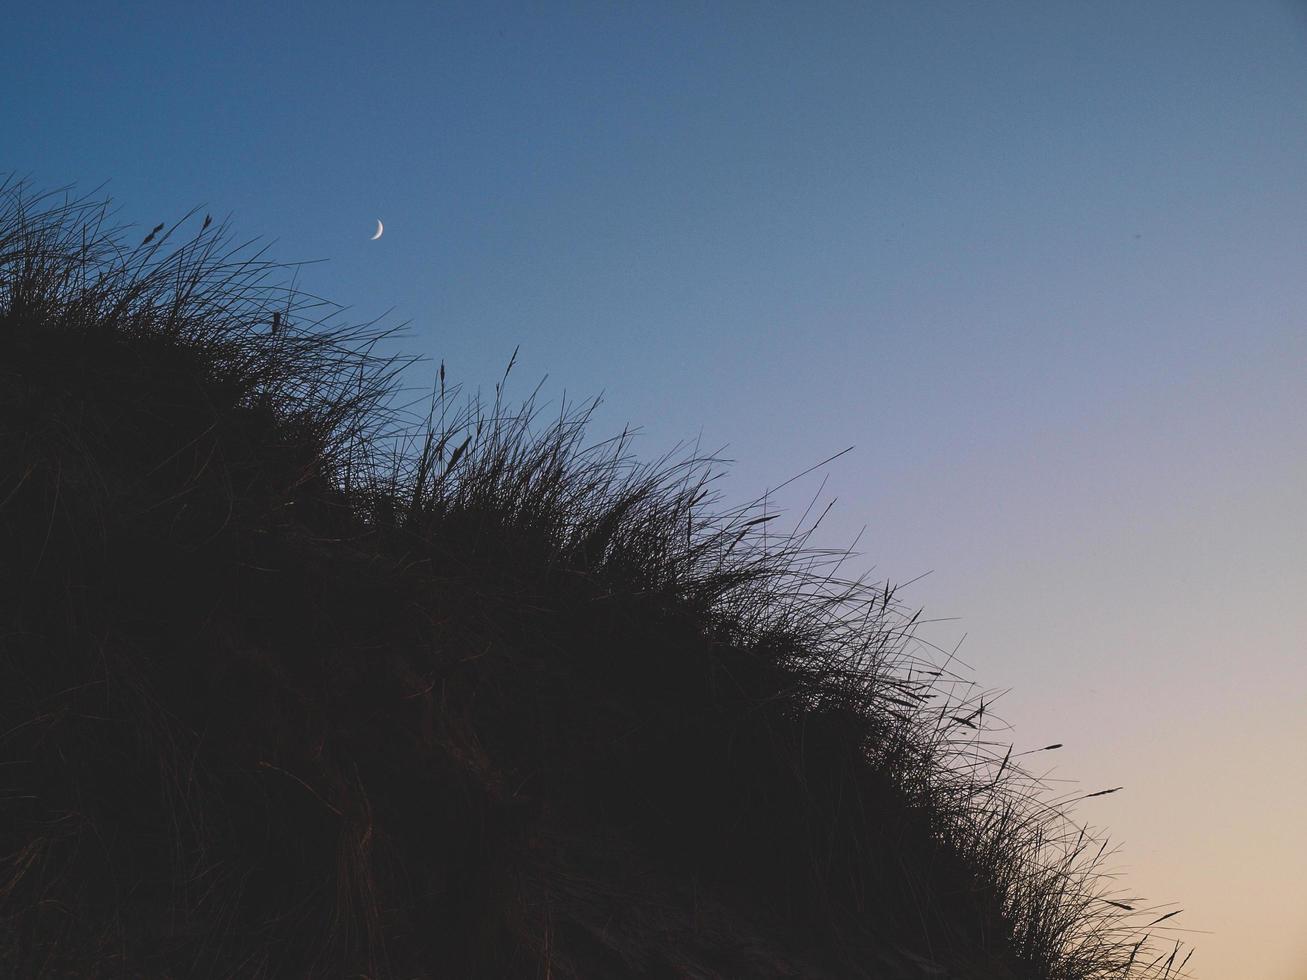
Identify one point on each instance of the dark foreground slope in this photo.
(290, 689)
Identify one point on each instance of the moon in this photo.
(380, 229)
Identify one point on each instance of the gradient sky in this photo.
(1041, 263)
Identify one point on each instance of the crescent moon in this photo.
(380, 229)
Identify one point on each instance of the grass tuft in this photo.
(297, 682)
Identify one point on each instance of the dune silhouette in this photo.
(297, 683)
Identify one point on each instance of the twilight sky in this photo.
(1041, 263)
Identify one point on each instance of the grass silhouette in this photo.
(295, 682)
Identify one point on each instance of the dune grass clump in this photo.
(295, 682)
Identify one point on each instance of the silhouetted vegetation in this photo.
(295, 683)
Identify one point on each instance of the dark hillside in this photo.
(293, 684)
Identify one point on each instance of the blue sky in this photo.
(1040, 263)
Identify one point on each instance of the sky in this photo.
(1041, 264)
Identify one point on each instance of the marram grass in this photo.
(297, 683)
